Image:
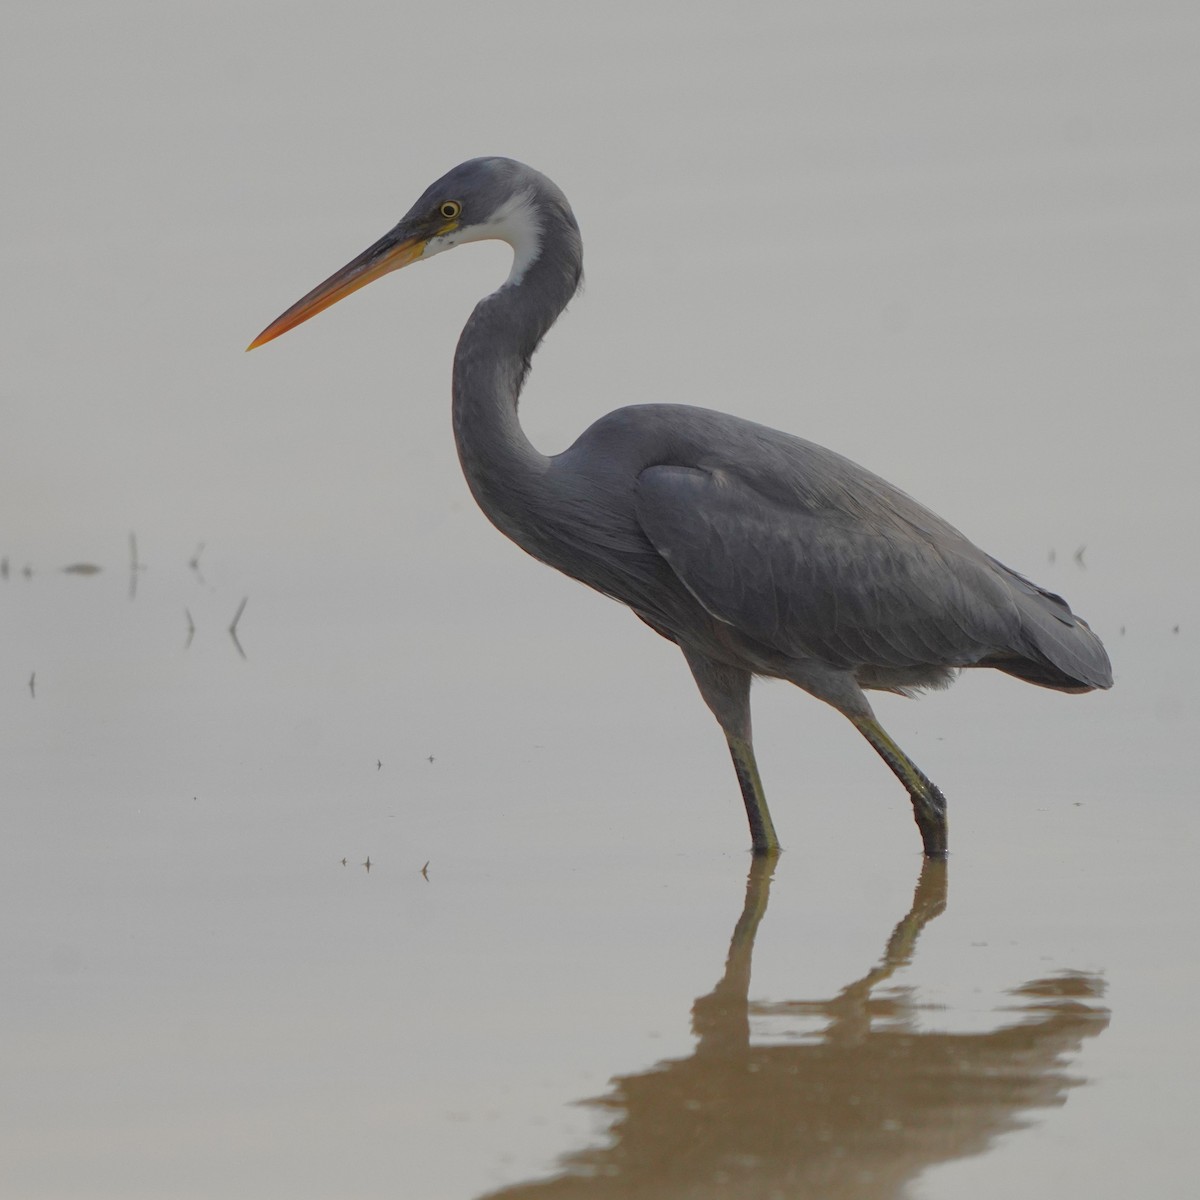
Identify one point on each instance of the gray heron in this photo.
(757, 553)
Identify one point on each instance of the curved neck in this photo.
(502, 467)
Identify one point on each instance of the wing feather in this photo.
(803, 574)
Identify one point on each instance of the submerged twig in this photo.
(237, 616)
(135, 566)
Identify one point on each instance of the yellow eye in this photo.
(449, 209)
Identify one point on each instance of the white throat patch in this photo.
(515, 222)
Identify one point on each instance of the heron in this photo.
(759, 554)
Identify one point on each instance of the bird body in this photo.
(692, 516)
(757, 552)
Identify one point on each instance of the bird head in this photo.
(480, 199)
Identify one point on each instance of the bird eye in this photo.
(449, 209)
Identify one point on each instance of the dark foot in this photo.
(929, 811)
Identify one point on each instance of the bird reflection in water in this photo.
(859, 1110)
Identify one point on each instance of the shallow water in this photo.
(961, 250)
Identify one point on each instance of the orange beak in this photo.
(393, 251)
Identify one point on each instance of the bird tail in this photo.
(1058, 649)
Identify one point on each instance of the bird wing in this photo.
(854, 576)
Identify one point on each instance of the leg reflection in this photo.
(857, 1104)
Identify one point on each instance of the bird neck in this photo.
(501, 465)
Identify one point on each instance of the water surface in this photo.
(959, 247)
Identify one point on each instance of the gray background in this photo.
(956, 243)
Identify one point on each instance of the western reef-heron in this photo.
(756, 552)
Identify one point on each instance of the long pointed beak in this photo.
(390, 253)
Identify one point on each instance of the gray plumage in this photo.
(757, 552)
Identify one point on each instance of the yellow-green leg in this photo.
(726, 691)
(762, 830)
(929, 805)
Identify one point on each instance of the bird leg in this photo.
(762, 830)
(929, 805)
(726, 690)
